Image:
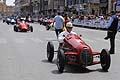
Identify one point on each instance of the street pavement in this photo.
(23, 55)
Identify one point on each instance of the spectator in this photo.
(59, 23)
(66, 18)
(112, 30)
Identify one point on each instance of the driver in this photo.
(68, 31)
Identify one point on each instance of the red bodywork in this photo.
(78, 51)
(50, 21)
(23, 26)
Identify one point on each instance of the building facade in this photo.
(17, 7)
(22, 7)
(50, 7)
(56, 6)
(10, 10)
(3, 8)
(25, 7)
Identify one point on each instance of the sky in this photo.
(10, 2)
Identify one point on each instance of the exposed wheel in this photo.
(31, 28)
(50, 51)
(8, 23)
(61, 60)
(105, 59)
(3, 21)
(15, 29)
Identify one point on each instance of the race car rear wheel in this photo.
(50, 51)
(31, 28)
(105, 59)
(61, 60)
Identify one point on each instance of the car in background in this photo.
(9, 20)
(29, 19)
(22, 26)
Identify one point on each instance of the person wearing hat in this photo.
(112, 31)
(68, 31)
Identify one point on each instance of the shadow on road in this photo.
(77, 70)
(46, 61)
(72, 68)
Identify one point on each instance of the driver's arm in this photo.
(61, 37)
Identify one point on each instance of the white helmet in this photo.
(69, 24)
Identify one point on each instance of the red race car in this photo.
(75, 51)
(23, 26)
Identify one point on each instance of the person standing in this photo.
(67, 19)
(112, 31)
(59, 23)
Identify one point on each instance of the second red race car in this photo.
(74, 51)
(22, 26)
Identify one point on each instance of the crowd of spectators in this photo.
(92, 21)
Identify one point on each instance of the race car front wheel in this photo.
(105, 59)
(61, 60)
(15, 29)
(50, 51)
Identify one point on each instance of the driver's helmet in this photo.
(69, 25)
(22, 19)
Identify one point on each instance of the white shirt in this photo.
(59, 21)
(63, 34)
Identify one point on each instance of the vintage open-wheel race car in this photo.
(75, 51)
(22, 26)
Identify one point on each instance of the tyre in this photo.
(50, 51)
(15, 29)
(47, 27)
(3, 21)
(7, 23)
(61, 60)
(31, 28)
(105, 59)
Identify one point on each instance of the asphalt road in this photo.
(23, 55)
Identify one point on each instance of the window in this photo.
(103, 1)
